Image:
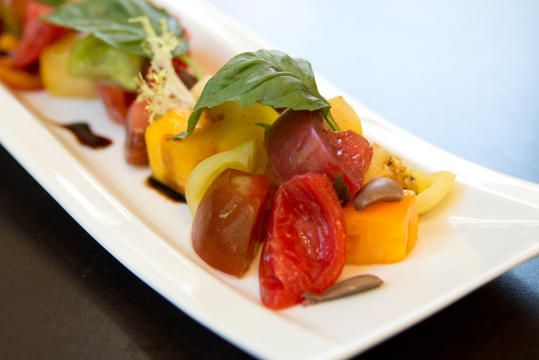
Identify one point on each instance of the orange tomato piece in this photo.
(383, 233)
(8, 42)
(18, 79)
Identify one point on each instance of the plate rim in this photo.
(14, 138)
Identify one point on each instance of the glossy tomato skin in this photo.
(36, 34)
(116, 101)
(226, 228)
(135, 126)
(305, 248)
(274, 183)
(299, 142)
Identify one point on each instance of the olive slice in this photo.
(376, 190)
(351, 286)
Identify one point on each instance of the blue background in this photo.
(459, 74)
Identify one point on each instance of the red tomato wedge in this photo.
(135, 127)
(226, 228)
(305, 248)
(18, 79)
(116, 101)
(36, 34)
(299, 142)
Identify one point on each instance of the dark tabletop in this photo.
(460, 74)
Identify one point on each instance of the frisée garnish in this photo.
(164, 91)
(108, 20)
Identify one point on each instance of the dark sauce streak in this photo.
(165, 190)
(80, 129)
(85, 135)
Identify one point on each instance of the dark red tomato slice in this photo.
(36, 34)
(299, 142)
(305, 248)
(274, 183)
(116, 101)
(226, 229)
(178, 63)
(18, 79)
(135, 126)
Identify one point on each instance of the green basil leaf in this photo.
(264, 125)
(267, 77)
(54, 2)
(94, 59)
(108, 20)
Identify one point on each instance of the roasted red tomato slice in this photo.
(226, 229)
(299, 142)
(136, 124)
(305, 248)
(36, 34)
(18, 79)
(116, 101)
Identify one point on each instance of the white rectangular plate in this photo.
(486, 225)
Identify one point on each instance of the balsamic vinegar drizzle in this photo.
(83, 133)
(80, 129)
(165, 190)
(85, 136)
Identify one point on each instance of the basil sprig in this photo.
(54, 2)
(267, 77)
(108, 20)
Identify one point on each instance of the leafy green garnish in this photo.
(267, 77)
(108, 20)
(264, 125)
(162, 89)
(94, 59)
(54, 2)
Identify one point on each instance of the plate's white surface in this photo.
(488, 223)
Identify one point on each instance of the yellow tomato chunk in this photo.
(234, 125)
(54, 69)
(204, 174)
(432, 188)
(8, 42)
(172, 161)
(383, 233)
(344, 115)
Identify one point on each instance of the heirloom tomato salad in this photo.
(263, 160)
